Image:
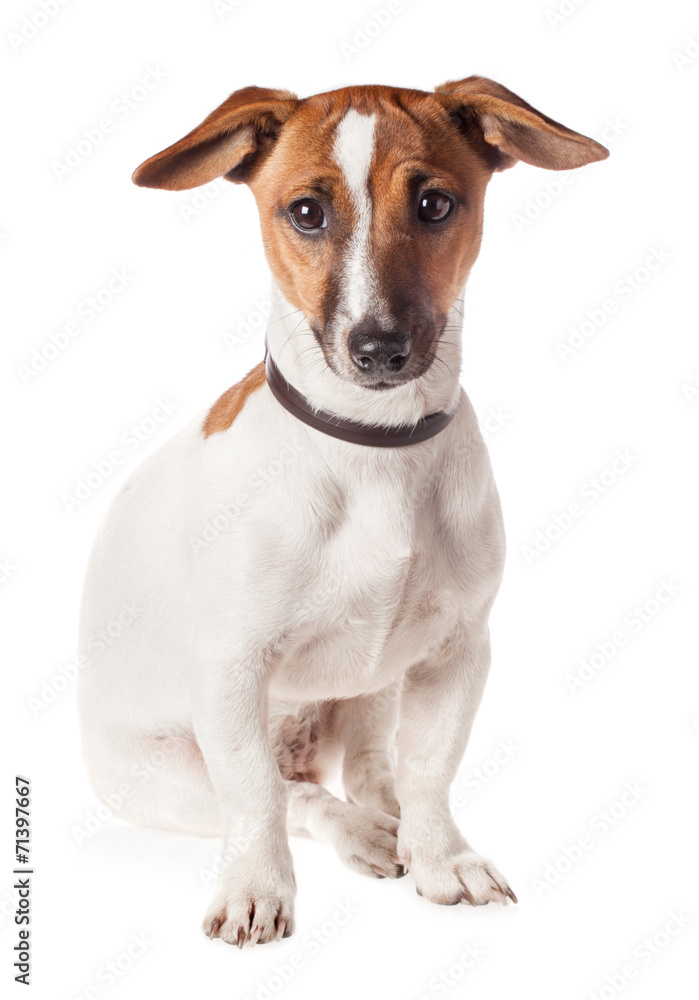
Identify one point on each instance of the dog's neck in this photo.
(299, 357)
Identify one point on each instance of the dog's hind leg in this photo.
(153, 780)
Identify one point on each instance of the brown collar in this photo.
(350, 430)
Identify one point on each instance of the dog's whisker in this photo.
(306, 350)
(295, 332)
(441, 362)
(280, 318)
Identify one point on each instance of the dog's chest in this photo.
(372, 593)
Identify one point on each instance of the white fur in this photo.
(353, 150)
(287, 584)
(276, 568)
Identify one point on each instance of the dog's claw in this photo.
(251, 919)
(468, 895)
(511, 894)
(401, 865)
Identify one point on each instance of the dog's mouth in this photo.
(382, 381)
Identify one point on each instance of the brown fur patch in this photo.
(226, 143)
(228, 406)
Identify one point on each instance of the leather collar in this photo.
(350, 430)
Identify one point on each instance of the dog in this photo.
(311, 563)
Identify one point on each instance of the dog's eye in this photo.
(434, 206)
(307, 215)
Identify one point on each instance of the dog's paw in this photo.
(251, 917)
(463, 878)
(366, 840)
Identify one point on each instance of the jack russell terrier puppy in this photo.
(313, 561)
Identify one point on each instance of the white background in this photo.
(177, 330)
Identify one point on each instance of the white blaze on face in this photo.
(353, 150)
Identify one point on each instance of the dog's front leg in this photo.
(366, 725)
(256, 887)
(438, 705)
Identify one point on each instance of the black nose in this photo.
(376, 353)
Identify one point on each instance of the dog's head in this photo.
(371, 202)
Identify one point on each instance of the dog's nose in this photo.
(379, 353)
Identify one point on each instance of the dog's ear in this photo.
(229, 143)
(513, 129)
